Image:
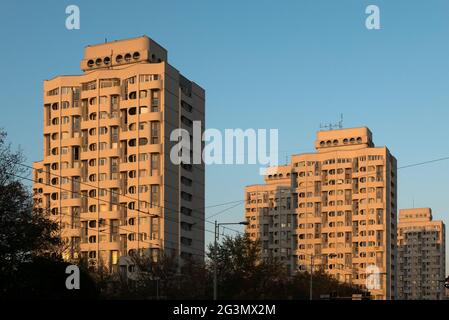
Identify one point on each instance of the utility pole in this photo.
(311, 278)
(216, 236)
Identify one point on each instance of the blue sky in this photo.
(289, 65)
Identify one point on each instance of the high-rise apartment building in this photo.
(421, 255)
(106, 175)
(338, 211)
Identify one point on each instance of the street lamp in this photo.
(217, 234)
(312, 257)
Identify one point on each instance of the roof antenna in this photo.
(332, 126)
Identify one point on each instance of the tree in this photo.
(28, 238)
(159, 278)
(243, 274)
(323, 284)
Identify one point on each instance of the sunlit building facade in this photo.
(106, 175)
(343, 210)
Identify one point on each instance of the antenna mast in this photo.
(332, 126)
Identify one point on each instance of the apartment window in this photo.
(154, 195)
(114, 137)
(148, 77)
(142, 173)
(53, 92)
(155, 128)
(186, 211)
(114, 168)
(143, 110)
(103, 100)
(186, 106)
(186, 181)
(143, 156)
(114, 102)
(186, 196)
(103, 130)
(92, 85)
(186, 121)
(154, 164)
(103, 145)
(154, 100)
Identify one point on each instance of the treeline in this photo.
(31, 265)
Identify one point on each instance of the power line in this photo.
(127, 196)
(424, 162)
(220, 212)
(224, 210)
(109, 202)
(121, 228)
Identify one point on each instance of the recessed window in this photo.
(136, 55)
(107, 60)
(132, 111)
(127, 57)
(98, 61)
(90, 63)
(119, 58)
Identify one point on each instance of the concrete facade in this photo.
(338, 212)
(421, 255)
(106, 175)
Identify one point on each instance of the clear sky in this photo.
(289, 65)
